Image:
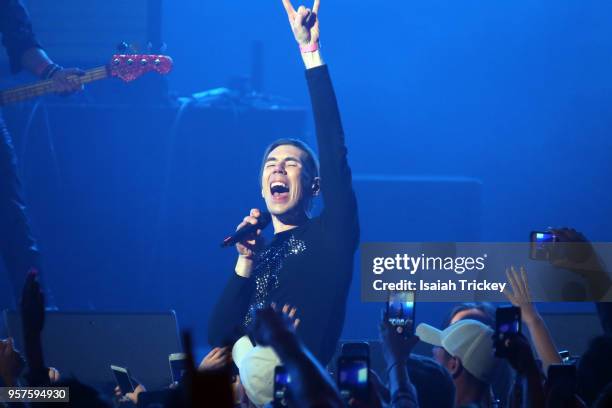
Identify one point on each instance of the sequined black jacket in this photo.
(309, 267)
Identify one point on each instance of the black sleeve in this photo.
(17, 34)
(320, 300)
(225, 324)
(339, 214)
(604, 311)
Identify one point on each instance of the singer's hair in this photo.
(311, 164)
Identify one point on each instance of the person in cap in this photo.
(465, 349)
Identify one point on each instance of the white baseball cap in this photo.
(469, 340)
(256, 366)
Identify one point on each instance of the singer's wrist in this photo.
(312, 59)
(244, 266)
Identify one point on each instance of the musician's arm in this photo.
(25, 52)
(18, 38)
(38, 62)
(35, 60)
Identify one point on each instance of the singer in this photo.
(309, 262)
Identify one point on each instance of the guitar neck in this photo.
(21, 93)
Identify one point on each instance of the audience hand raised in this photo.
(32, 305)
(11, 363)
(218, 358)
(273, 325)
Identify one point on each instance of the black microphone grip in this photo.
(262, 222)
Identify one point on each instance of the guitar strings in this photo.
(34, 90)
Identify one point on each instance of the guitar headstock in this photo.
(129, 67)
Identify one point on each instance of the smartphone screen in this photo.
(400, 309)
(178, 366)
(282, 379)
(123, 378)
(541, 245)
(507, 322)
(353, 378)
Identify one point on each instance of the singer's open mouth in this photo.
(279, 191)
(278, 188)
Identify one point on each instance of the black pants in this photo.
(17, 245)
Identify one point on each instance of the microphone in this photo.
(262, 222)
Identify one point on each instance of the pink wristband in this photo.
(312, 47)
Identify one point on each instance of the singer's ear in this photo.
(316, 186)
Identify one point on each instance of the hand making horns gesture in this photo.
(304, 22)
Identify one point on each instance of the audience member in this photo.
(519, 354)
(310, 384)
(575, 253)
(54, 375)
(591, 265)
(484, 312)
(434, 385)
(465, 349)
(520, 296)
(217, 358)
(397, 344)
(33, 321)
(605, 398)
(202, 388)
(12, 364)
(375, 399)
(81, 396)
(129, 397)
(594, 370)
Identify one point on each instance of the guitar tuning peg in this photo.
(122, 47)
(157, 49)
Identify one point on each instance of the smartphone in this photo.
(507, 322)
(282, 379)
(178, 366)
(353, 377)
(542, 245)
(123, 378)
(356, 349)
(400, 310)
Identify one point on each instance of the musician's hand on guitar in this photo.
(67, 81)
